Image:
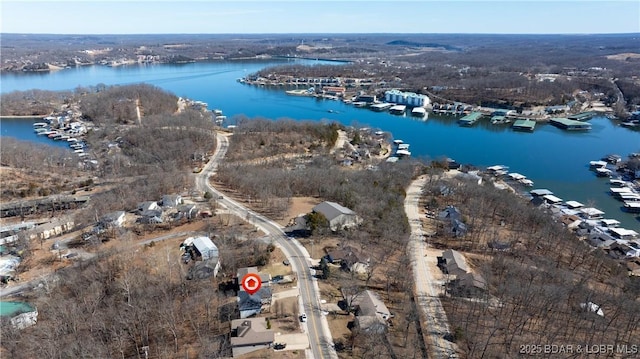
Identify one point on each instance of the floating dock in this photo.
(470, 119)
(569, 124)
(524, 125)
(582, 116)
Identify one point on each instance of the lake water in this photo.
(552, 158)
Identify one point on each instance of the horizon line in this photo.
(316, 33)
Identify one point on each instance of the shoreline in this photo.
(23, 116)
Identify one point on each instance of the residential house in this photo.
(171, 200)
(453, 262)
(621, 250)
(113, 220)
(188, 211)
(151, 216)
(339, 217)
(453, 219)
(468, 285)
(349, 258)
(633, 266)
(148, 206)
(51, 229)
(251, 304)
(371, 312)
(202, 248)
(250, 334)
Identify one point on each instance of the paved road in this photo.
(316, 326)
(436, 325)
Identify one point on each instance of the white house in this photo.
(339, 217)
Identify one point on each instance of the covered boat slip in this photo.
(470, 119)
(569, 124)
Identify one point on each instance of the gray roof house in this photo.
(339, 217)
(248, 335)
(455, 263)
(171, 200)
(148, 206)
(371, 312)
(251, 304)
(455, 226)
(113, 219)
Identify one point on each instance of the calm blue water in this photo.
(22, 128)
(552, 158)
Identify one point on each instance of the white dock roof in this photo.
(551, 198)
(574, 204)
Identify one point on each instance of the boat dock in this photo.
(397, 109)
(569, 124)
(379, 107)
(524, 125)
(582, 116)
(470, 119)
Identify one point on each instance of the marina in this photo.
(535, 154)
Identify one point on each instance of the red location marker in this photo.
(251, 283)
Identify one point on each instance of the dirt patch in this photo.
(298, 206)
(270, 353)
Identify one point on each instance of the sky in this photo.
(315, 16)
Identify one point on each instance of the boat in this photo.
(397, 109)
(40, 124)
(41, 130)
(633, 207)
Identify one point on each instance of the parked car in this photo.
(303, 317)
(279, 346)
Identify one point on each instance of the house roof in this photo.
(473, 280)
(253, 301)
(455, 262)
(250, 331)
(205, 245)
(369, 304)
(451, 212)
(113, 216)
(347, 254)
(332, 210)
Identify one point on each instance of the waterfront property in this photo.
(470, 119)
(406, 98)
(524, 125)
(568, 124)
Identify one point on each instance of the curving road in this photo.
(435, 325)
(316, 327)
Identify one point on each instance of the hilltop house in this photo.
(248, 335)
(339, 217)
